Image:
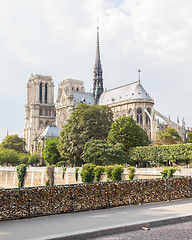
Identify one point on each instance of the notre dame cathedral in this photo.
(44, 119)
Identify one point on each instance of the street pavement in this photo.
(180, 231)
(84, 225)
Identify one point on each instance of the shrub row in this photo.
(165, 152)
(90, 172)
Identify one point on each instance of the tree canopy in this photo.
(86, 122)
(99, 152)
(9, 156)
(189, 136)
(14, 142)
(34, 159)
(125, 130)
(51, 153)
(167, 137)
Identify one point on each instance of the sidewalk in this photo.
(85, 225)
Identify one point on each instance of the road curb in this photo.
(94, 233)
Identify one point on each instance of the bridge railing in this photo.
(37, 201)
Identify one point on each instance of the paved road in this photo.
(66, 224)
(181, 231)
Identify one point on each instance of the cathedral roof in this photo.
(127, 92)
(50, 131)
(83, 97)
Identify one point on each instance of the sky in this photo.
(57, 38)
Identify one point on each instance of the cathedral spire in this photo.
(139, 71)
(97, 77)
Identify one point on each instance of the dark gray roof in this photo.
(127, 92)
(83, 97)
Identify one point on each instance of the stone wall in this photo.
(37, 176)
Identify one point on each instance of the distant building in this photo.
(128, 100)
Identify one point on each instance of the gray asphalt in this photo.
(53, 227)
(181, 231)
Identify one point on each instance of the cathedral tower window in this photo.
(40, 93)
(46, 93)
(40, 112)
(139, 116)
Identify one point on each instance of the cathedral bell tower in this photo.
(97, 74)
(39, 110)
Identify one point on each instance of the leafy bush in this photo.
(108, 171)
(21, 171)
(116, 173)
(34, 159)
(168, 172)
(131, 172)
(61, 164)
(98, 171)
(87, 173)
(76, 173)
(23, 158)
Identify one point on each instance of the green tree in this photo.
(167, 137)
(51, 153)
(33, 159)
(125, 130)
(23, 158)
(99, 152)
(189, 136)
(14, 142)
(9, 156)
(86, 122)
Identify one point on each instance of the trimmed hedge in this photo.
(163, 153)
(131, 172)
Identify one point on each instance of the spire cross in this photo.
(139, 71)
(97, 45)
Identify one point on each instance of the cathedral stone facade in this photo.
(39, 110)
(128, 100)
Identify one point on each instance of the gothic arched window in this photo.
(139, 116)
(40, 93)
(123, 113)
(46, 93)
(147, 117)
(129, 112)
